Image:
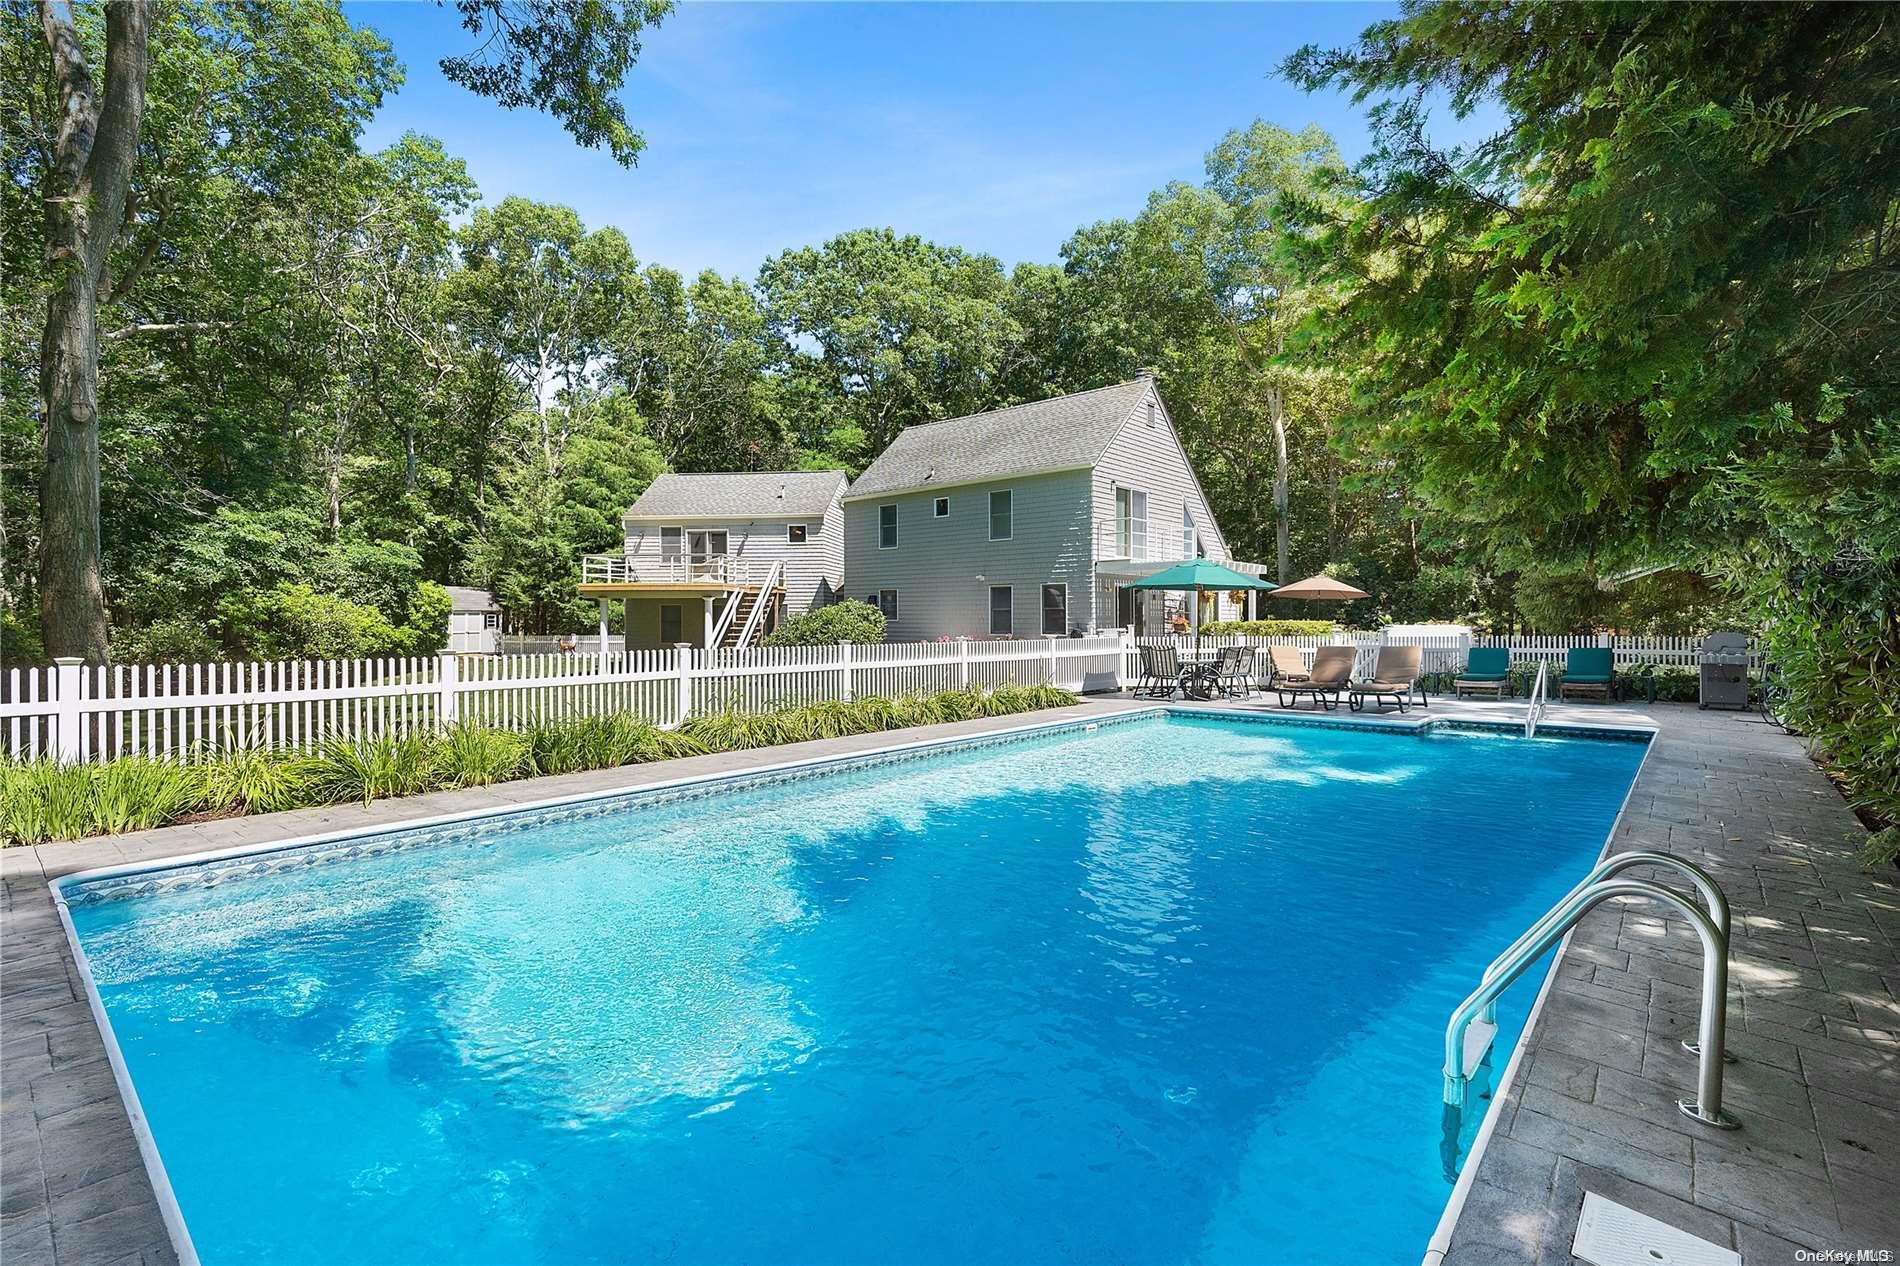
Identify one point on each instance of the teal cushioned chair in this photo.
(1487, 671)
(1589, 672)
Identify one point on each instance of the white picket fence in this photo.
(79, 713)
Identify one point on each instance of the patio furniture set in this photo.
(1231, 671)
(1588, 673)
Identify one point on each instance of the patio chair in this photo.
(1234, 672)
(1487, 671)
(1394, 677)
(1589, 673)
(1160, 673)
(1285, 664)
(1331, 671)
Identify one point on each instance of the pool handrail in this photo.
(1540, 697)
(1614, 865)
(1712, 1024)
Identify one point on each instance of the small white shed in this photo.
(474, 621)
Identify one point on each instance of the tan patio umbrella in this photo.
(1321, 588)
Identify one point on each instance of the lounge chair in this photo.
(1488, 671)
(1394, 677)
(1284, 663)
(1160, 672)
(1234, 672)
(1331, 671)
(1590, 673)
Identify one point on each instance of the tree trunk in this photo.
(85, 201)
(1276, 414)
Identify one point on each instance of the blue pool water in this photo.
(1167, 992)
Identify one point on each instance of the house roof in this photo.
(1065, 433)
(466, 599)
(765, 494)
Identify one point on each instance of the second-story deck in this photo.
(619, 575)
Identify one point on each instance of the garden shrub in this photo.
(176, 639)
(850, 621)
(1269, 628)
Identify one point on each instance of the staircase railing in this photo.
(759, 604)
(724, 622)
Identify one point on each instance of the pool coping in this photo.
(1404, 724)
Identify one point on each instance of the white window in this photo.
(1002, 618)
(1055, 610)
(1187, 532)
(491, 619)
(887, 527)
(1001, 526)
(795, 533)
(669, 542)
(887, 603)
(942, 508)
(1131, 523)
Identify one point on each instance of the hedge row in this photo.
(41, 800)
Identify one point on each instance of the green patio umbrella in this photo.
(1202, 576)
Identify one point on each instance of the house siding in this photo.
(1151, 459)
(813, 571)
(937, 561)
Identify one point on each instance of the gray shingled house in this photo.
(721, 559)
(1028, 521)
(1022, 522)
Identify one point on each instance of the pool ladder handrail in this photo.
(1711, 929)
(1540, 698)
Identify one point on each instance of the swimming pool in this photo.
(1167, 990)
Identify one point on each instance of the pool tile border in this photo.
(166, 875)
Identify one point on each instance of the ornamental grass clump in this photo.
(367, 769)
(252, 780)
(137, 793)
(470, 755)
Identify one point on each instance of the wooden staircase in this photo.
(735, 627)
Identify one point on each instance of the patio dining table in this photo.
(1199, 677)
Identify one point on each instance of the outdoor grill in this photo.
(1724, 662)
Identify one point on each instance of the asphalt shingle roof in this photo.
(1064, 433)
(468, 599)
(767, 494)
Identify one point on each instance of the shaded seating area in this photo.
(1326, 681)
(1589, 673)
(1487, 672)
(1394, 676)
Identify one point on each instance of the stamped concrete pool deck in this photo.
(1814, 1016)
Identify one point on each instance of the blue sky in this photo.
(996, 127)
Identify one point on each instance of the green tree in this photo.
(1653, 317)
(109, 152)
(901, 331)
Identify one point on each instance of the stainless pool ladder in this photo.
(1473, 1025)
(1539, 700)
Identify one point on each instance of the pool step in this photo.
(1478, 1039)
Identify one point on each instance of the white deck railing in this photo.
(623, 569)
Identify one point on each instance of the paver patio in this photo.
(1814, 1017)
